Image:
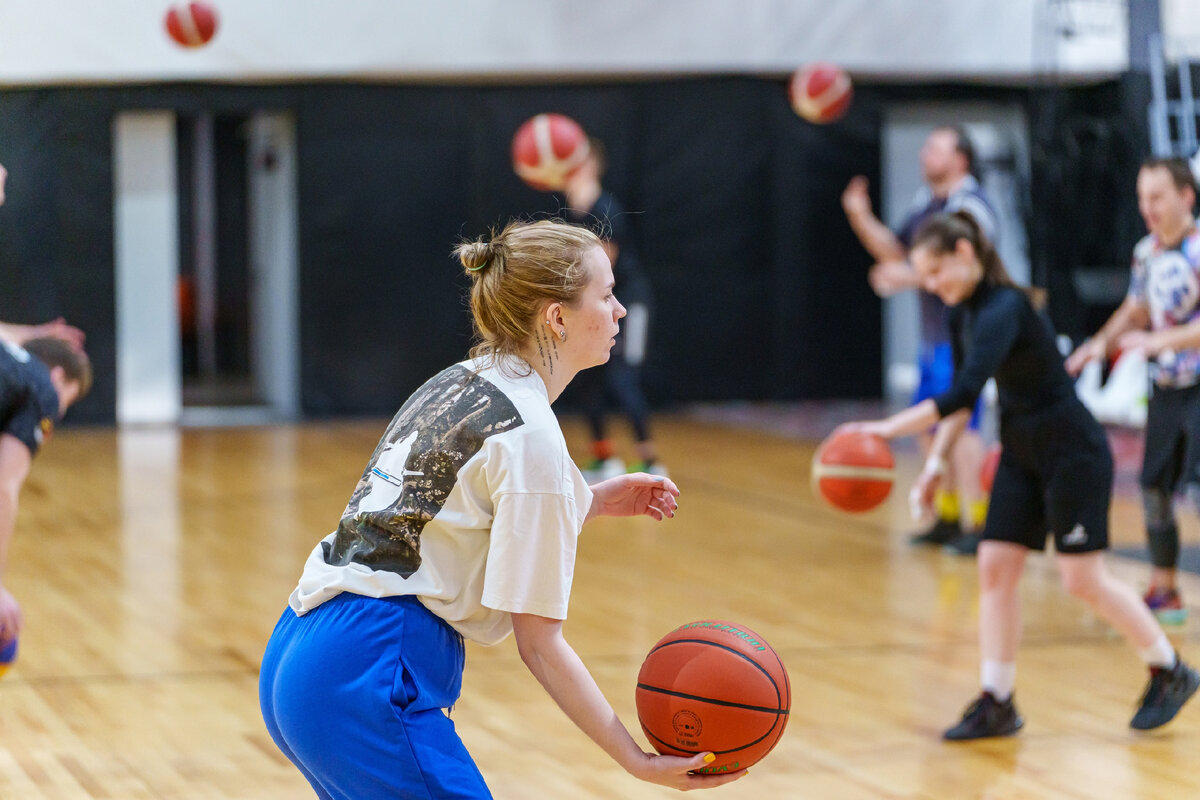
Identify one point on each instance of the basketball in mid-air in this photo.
(713, 686)
(820, 92)
(191, 24)
(546, 149)
(854, 471)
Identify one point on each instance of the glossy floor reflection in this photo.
(152, 564)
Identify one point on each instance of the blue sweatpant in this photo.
(355, 694)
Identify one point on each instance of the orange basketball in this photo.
(712, 686)
(191, 24)
(546, 149)
(987, 474)
(820, 92)
(854, 471)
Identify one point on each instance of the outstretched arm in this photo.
(55, 329)
(909, 422)
(1131, 315)
(563, 675)
(15, 459)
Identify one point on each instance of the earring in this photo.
(562, 335)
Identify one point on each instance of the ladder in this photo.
(1172, 120)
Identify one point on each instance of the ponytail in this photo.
(943, 231)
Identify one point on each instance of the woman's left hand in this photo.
(635, 495)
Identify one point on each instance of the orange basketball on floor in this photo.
(854, 471)
(712, 686)
(820, 92)
(546, 149)
(987, 474)
(191, 24)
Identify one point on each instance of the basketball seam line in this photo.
(651, 735)
(727, 703)
(741, 655)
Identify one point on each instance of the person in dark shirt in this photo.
(621, 378)
(947, 167)
(1055, 472)
(38, 382)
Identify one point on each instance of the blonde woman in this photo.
(463, 525)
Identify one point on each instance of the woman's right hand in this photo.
(920, 498)
(681, 773)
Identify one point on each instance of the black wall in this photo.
(759, 281)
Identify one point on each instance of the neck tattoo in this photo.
(545, 352)
(541, 353)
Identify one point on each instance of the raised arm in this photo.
(876, 237)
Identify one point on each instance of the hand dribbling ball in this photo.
(712, 686)
(8, 654)
(820, 92)
(546, 149)
(854, 471)
(191, 24)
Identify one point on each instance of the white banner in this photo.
(121, 41)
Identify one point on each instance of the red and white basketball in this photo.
(546, 149)
(853, 471)
(820, 92)
(191, 24)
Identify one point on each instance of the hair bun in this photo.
(474, 256)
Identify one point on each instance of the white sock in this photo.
(999, 678)
(1159, 654)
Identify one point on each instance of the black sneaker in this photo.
(984, 718)
(1166, 693)
(941, 533)
(965, 545)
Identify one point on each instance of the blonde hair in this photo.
(514, 273)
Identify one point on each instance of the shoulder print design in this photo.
(415, 467)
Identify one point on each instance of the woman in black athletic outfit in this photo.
(1055, 473)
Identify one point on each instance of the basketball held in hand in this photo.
(714, 686)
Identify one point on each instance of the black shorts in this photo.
(1055, 476)
(1172, 457)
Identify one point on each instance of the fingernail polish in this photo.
(708, 759)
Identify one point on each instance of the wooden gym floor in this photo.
(152, 565)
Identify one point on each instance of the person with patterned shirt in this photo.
(1160, 315)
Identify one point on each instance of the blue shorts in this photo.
(355, 694)
(936, 365)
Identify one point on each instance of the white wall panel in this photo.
(74, 41)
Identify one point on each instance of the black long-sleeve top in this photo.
(997, 333)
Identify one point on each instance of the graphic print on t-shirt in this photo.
(415, 467)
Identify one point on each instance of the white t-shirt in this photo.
(1166, 280)
(470, 502)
